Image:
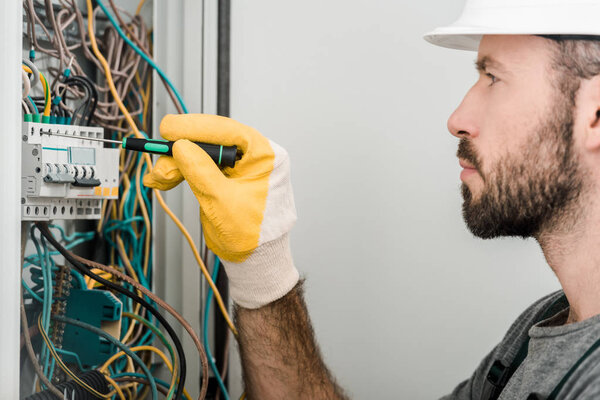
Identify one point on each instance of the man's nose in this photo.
(463, 121)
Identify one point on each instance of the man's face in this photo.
(520, 170)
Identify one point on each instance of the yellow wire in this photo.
(113, 213)
(126, 185)
(62, 365)
(153, 349)
(139, 7)
(92, 283)
(147, 101)
(157, 194)
(132, 326)
(145, 96)
(121, 353)
(243, 396)
(101, 220)
(131, 368)
(116, 386)
(47, 102)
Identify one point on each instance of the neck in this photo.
(573, 252)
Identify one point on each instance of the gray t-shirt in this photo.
(553, 349)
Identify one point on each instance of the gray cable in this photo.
(117, 343)
(34, 107)
(36, 72)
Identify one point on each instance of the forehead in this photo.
(516, 53)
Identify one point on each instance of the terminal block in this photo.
(66, 177)
(101, 309)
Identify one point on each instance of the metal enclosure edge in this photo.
(10, 210)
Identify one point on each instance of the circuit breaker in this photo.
(66, 177)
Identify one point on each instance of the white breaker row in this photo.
(66, 177)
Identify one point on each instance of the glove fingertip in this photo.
(150, 181)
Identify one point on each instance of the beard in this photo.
(531, 190)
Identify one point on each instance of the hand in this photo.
(246, 211)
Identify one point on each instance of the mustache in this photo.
(467, 152)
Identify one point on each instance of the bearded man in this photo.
(529, 145)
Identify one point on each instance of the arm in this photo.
(280, 358)
(247, 213)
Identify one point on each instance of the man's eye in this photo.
(492, 78)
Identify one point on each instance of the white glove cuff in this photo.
(266, 275)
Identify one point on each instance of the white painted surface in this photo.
(10, 208)
(405, 302)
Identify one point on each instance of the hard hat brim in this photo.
(454, 39)
(468, 39)
(517, 17)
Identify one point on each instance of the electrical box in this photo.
(66, 177)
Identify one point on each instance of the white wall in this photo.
(405, 302)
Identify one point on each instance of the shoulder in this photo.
(505, 351)
(519, 330)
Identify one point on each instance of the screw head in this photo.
(34, 152)
(24, 138)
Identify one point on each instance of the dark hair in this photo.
(576, 57)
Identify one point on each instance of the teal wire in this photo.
(35, 260)
(46, 263)
(142, 54)
(209, 355)
(75, 235)
(31, 292)
(29, 260)
(71, 354)
(34, 106)
(49, 264)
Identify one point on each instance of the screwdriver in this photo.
(223, 156)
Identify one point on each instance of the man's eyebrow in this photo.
(484, 62)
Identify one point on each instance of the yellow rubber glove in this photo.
(246, 211)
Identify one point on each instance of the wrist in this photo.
(266, 275)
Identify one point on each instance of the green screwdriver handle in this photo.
(223, 156)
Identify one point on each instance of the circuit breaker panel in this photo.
(96, 263)
(64, 174)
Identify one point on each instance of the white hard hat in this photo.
(518, 17)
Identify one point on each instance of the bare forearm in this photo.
(280, 357)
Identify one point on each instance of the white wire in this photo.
(26, 84)
(25, 107)
(34, 388)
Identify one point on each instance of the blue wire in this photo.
(142, 54)
(35, 108)
(209, 355)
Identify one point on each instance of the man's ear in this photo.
(588, 100)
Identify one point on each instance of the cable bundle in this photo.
(93, 378)
(109, 86)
